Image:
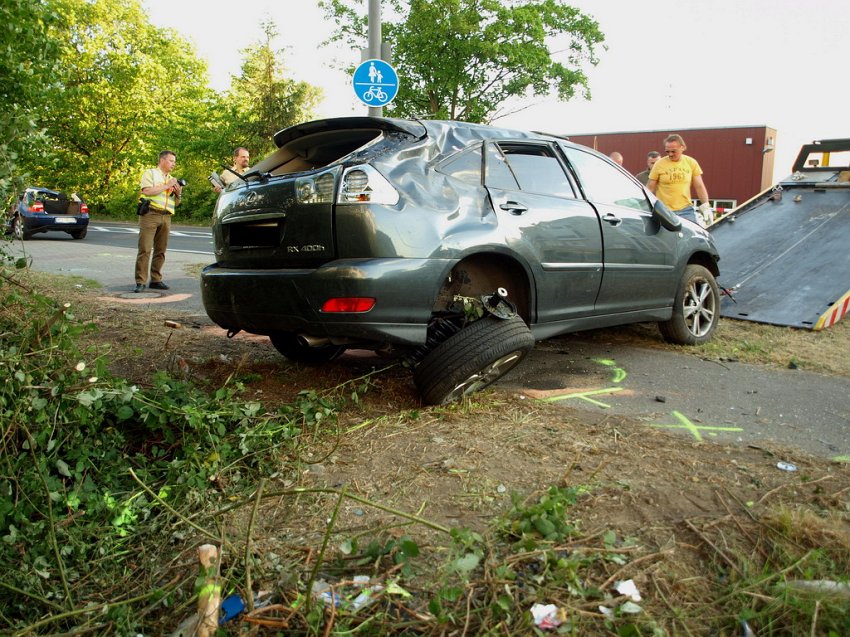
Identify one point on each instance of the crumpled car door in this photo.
(557, 233)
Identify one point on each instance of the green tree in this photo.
(27, 61)
(465, 59)
(122, 88)
(263, 99)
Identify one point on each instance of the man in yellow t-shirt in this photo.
(163, 191)
(672, 178)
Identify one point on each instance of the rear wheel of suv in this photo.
(295, 349)
(472, 359)
(696, 308)
(80, 234)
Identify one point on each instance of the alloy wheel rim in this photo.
(485, 376)
(699, 307)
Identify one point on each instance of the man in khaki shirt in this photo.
(241, 159)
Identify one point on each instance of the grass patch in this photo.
(335, 485)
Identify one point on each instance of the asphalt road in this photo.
(725, 401)
(108, 255)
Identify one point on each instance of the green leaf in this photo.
(465, 564)
(544, 527)
(124, 412)
(393, 588)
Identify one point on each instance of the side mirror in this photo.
(669, 220)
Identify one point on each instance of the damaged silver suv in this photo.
(457, 244)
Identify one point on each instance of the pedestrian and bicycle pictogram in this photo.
(375, 83)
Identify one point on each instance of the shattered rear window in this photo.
(319, 150)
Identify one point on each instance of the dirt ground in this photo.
(457, 466)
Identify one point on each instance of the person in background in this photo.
(672, 178)
(651, 157)
(241, 159)
(163, 191)
(617, 157)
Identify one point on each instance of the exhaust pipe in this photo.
(314, 341)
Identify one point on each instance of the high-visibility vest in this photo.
(164, 200)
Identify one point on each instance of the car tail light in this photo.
(348, 304)
(84, 210)
(37, 206)
(315, 188)
(364, 184)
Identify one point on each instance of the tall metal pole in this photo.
(375, 44)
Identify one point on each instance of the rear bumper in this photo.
(272, 300)
(45, 223)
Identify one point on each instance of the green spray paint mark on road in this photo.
(619, 373)
(695, 430)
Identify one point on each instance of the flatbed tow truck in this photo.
(785, 253)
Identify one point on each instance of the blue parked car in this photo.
(42, 210)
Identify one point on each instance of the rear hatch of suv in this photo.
(281, 213)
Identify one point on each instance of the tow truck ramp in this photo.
(785, 253)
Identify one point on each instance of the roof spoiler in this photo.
(322, 125)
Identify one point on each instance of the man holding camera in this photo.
(163, 192)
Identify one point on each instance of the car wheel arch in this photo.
(480, 274)
(705, 260)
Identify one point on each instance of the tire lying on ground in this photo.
(696, 308)
(472, 359)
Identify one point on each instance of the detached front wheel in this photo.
(696, 308)
(473, 358)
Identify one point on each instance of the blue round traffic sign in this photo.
(375, 83)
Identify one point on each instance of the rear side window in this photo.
(535, 168)
(604, 183)
(465, 165)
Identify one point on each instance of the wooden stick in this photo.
(209, 591)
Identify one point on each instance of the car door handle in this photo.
(513, 207)
(613, 219)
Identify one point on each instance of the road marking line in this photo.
(134, 230)
(695, 430)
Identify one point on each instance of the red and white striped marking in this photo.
(835, 313)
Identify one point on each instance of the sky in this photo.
(679, 65)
